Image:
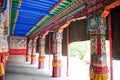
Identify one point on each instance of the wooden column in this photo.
(67, 44)
(57, 53)
(29, 50)
(49, 50)
(2, 68)
(98, 66)
(33, 55)
(41, 58)
(111, 46)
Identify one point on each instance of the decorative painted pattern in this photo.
(3, 4)
(1, 29)
(96, 21)
(97, 27)
(42, 46)
(57, 49)
(30, 47)
(5, 44)
(18, 42)
(34, 47)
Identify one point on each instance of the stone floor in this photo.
(78, 70)
(25, 71)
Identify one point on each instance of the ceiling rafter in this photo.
(35, 12)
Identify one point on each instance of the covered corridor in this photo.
(32, 30)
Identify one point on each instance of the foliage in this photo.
(79, 49)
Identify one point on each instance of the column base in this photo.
(28, 58)
(4, 60)
(56, 72)
(33, 59)
(2, 71)
(2, 77)
(41, 60)
(41, 65)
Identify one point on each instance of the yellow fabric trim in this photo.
(98, 76)
(33, 57)
(6, 58)
(1, 69)
(42, 59)
(57, 64)
(28, 55)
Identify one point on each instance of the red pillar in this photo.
(67, 44)
(28, 51)
(57, 53)
(2, 68)
(98, 66)
(111, 50)
(41, 58)
(49, 49)
(33, 55)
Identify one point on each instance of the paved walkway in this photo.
(26, 71)
(78, 70)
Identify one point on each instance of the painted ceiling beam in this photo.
(36, 3)
(30, 9)
(51, 0)
(33, 7)
(19, 35)
(60, 15)
(22, 30)
(30, 15)
(31, 4)
(47, 2)
(23, 23)
(51, 11)
(42, 18)
(27, 4)
(34, 12)
(17, 29)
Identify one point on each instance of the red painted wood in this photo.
(41, 62)
(98, 45)
(56, 72)
(41, 65)
(67, 52)
(33, 58)
(17, 51)
(27, 50)
(2, 77)
(1, 3)
(57, 61)
(111, 50)
(49, 50)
